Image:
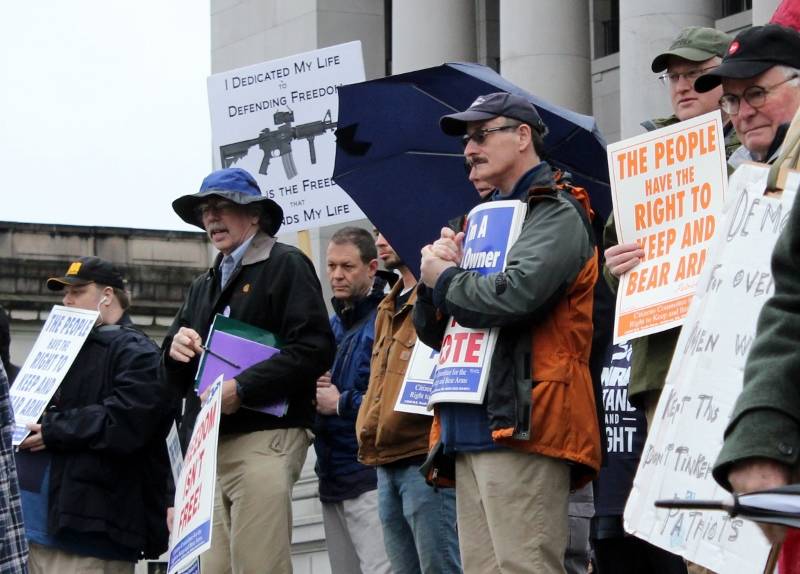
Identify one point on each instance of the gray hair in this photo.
(789, 72)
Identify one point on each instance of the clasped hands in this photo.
(442, 254)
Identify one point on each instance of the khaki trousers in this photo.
(46, 560)
(252, 529)
(512, 512)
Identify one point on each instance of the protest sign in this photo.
(465, 354)
(625, 430)
(287, 109)
(174, 452)
(194, 492)
(415, 392)
(704, 380)
(668, 187)
(53, 353)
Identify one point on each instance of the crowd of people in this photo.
(501, 486)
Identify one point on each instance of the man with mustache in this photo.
(273, 286)
(536, 435)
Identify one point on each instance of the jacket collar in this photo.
(363, 307)
(259, 250)
(388, 303)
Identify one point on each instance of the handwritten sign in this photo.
(704, 380)
(277, 120)
(53, 353)
(463, 367)
(668, 187)
(194, 492)
(415, 392)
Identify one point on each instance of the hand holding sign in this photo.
(622, 258)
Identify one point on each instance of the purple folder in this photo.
(229, 350)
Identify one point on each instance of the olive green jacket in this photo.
(652, 354)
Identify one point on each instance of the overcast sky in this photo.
(104, 110)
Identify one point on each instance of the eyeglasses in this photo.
(755, 96)
(217, 207)
(672, 78)
(479, 136)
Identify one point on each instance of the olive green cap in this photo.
(695, 44)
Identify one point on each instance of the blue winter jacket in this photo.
(341, 475)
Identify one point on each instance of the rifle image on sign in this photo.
(278, 142)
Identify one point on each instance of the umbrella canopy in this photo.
(410, 178)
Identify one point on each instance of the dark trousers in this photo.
(631, 555)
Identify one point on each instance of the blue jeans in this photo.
(419, 523)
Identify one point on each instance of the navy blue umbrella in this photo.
(410, 178)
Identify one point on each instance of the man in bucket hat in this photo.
(272, 286)
(760, 77)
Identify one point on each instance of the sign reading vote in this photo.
(668, 187)
(53, 353)
(704, 380)
(463, 365)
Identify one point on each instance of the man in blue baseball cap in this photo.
(272, 286)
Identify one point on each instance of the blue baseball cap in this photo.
(235, 185)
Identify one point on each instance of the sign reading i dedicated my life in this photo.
(466, 354)
(668, 187)
(276, 120)
(53, 353)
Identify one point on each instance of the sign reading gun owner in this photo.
(466, 353)
(276, 120)
(702, 385)
(62, 337)
(668, 187)
(194, 492)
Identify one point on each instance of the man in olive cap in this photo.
(695, 51)
(272, 286)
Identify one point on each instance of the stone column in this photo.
(763, 11)
(544, 48)
(428, 33)
(647, 28)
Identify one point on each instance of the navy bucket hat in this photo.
(233, 184)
